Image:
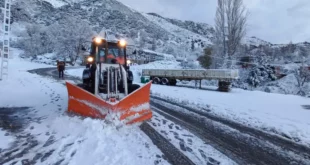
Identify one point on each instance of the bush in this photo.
(261, 74)
(205, 60)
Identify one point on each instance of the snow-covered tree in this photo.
(261, 74)
(142, 35)
(34, 41)
(68, 36)
(154, 45)
(303, 52)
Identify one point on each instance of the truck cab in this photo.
(104, 53)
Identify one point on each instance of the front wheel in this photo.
(132, 87)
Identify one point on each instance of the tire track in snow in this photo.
(286, 143)
(187, 142)
(171, 153)
(238, 143)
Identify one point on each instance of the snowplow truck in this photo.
(108, 86)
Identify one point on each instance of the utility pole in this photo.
(5, 52)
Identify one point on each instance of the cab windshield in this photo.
(113, 53)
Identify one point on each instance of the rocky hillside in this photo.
(143, 30)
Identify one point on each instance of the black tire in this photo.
(132, 87)
(164, 81)
(129, 77)
(156, 80)
(86, 82)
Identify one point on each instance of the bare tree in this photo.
(219, 37)
(302, 75)
(230, 27)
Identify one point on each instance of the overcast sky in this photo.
(276, 21)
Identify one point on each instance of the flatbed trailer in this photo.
(170, 76)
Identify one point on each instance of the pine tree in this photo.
(206, 60)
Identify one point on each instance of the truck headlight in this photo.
(128, 62)
(90, 59)
(123, 43)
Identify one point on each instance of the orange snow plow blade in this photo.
(133, 108)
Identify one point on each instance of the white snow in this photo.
(269, 111)
(272, 112)
(56, 3)
(75, 72)
(74, 139)
(166, 56)
(174, 29)
(140, 107)
(97, 142)
(276, 113)
(5, 140)
(48, 58)
(20, 84)
(193, 147)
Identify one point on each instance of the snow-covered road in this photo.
(265, 117)
(46, 134)
(198, 151)
(53, 137)
(279, 114)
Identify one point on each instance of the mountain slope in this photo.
(198, 28)
(144, 30)
(117, 19)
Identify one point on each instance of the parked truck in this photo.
(170, 76)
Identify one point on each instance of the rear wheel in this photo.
(164, 81)
(156, 80)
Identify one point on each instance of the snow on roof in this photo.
(160, 54)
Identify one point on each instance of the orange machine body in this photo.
(132, 108)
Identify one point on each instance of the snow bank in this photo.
(272, 112)
(95, 142)
(49, 58)
(75, 72)
(286, 85)
(5, 140)
(20, 84)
